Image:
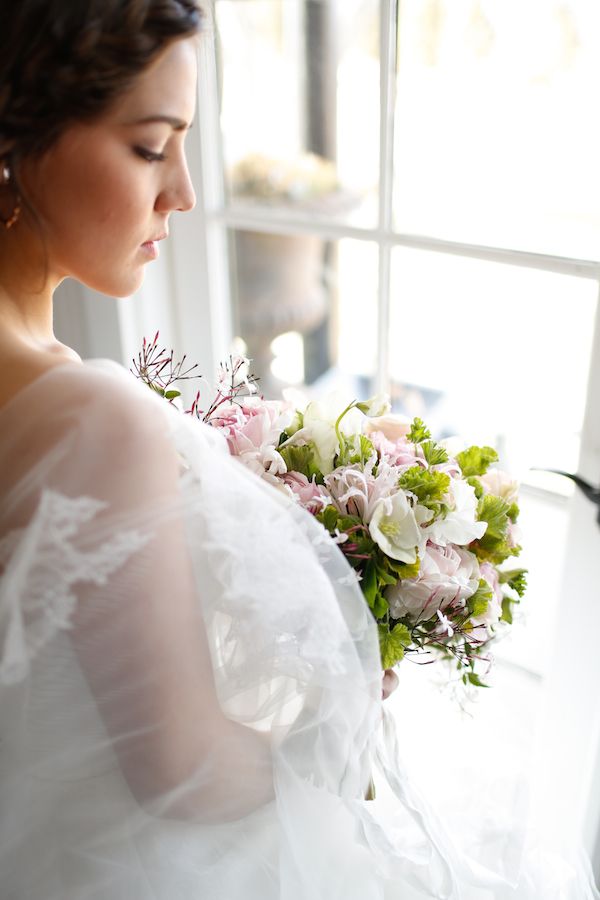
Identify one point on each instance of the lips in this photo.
(151, 247)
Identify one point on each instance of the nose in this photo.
(186, 192)
(178, 194)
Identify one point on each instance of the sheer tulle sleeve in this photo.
(100, 559)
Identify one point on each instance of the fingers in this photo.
(389, 683)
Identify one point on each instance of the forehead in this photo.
(167, 87)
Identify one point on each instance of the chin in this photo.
(118, 287)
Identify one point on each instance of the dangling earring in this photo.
(5, 180)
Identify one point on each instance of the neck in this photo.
(26, 290)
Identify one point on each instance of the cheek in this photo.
(106, 203)
(103, 200)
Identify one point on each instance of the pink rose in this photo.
(309, 494)
(252, 431)
(398, 453)
(493, 612)
(391, 426)
(448, 577)
(514, 535)
(252, 426)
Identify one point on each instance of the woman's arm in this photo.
(142, 644)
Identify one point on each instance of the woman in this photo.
(189, 684)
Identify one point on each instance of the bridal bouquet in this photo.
(427, 529)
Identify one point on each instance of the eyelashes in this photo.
(149, 155)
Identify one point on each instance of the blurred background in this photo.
(404, 195)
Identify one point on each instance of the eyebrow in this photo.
(176, 124)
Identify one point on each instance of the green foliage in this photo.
(515, 579)
(475, 460)
(427, 485)
(434, 454)
(507, 605)
(163, 392)
(418, 431)
(369, 583)
(494, 546)
(476, 485)
(409, 570)
(301, 459)
(296, 424)
(329, 517)
(386, 577)
(380, 606)
(474, 679)
(494, 511)
(513, 512)
(478, 603)
(364, 451)
(392, 644)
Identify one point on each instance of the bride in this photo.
(190, 685)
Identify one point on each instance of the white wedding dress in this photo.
(189, 679)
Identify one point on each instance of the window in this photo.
(402, 194)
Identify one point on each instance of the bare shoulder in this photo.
(21, 367)
(105, 394)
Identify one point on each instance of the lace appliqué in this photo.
(41, 565)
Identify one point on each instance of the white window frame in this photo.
(207, 266)
(200, 262)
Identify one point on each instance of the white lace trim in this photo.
(41, 565)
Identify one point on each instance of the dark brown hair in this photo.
(62, 61)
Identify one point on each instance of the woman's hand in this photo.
(389, 683)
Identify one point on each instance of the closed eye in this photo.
(149, 155)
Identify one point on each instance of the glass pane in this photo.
(300, 310)
(500, 355)
(300, 104)
(497, 140)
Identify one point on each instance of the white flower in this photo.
(500, 484)
(318, 427)
(296, 401)
(356, 491)
(460, 525)
(445, 622)
(265, 462)
(323, 436)
(272, 461)
(394, 527)
(376, 406)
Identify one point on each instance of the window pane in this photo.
(299, 81)
(497, 138)
(496, 350)
(500, 355)
(304, 310)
